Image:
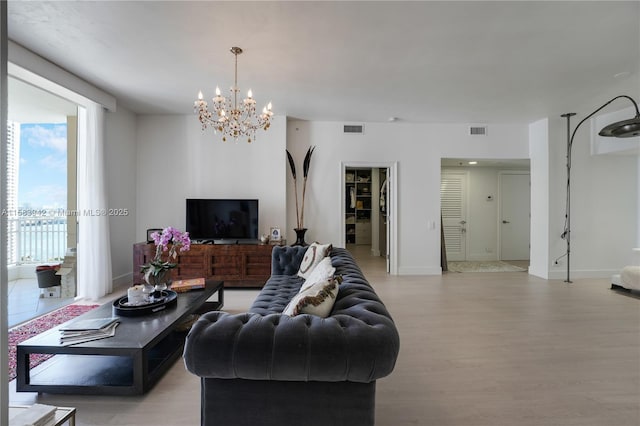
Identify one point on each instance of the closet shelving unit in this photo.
(358, 206)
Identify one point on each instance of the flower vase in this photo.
(147, 292)
(300, 237)
(157, 283)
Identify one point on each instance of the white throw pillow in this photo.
(314, 255)
(316, 300)
(321, 272)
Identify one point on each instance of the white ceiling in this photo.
(475, 62)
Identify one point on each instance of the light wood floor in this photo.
(477, 349)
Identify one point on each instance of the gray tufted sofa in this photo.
(263, 368)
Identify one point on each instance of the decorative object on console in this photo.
(275, 234)
(300, 237)
(156, 272)
(151, 231)
(300, 229)
(232, 119)
(621, 129)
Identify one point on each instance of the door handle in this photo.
(505, 221)
(462, 222)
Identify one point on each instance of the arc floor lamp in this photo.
(621, 129)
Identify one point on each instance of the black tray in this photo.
(170, 298)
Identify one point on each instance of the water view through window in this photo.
(37, 194)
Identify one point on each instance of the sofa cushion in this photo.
(314, 255)
(276, 294)
(317, 300)
(321, 272)
(286, 260)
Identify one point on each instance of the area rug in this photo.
(488, 266)
(36, 326)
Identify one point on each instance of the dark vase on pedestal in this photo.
(300, 237)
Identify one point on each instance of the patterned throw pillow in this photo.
(314, 255)
(321, 272)
(316, 300)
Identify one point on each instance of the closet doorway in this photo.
(368, 203)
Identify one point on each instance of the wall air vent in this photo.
(478, 130)
(353, 129)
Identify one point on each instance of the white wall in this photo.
(120, 153)
(418, 148)
(176, 160)
(604, 206)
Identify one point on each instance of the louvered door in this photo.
(453, 192)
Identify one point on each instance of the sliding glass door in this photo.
(41, 194)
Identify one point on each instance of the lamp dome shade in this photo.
(623, 129)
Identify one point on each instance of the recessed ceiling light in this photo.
(473, 162)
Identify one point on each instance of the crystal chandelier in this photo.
(233, 120)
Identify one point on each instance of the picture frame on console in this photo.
(275, 234)
(151, 231)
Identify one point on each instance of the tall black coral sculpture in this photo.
(305, 173)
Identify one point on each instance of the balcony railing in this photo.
(36, 239)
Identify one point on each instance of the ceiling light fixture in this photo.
(620, 129)
(473, 162)
(233, 120)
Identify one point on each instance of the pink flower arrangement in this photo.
(171, 240)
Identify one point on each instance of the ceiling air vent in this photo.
(478, 130)
(354, 129)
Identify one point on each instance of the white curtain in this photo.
(94, 277)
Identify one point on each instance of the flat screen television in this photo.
(222, 219)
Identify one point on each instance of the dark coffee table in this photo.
(129, 363)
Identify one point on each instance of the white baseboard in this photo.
(540, 273)
(123, 281)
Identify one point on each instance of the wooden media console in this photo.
(238, 265)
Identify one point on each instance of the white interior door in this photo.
(453, 205)
(515, 215)
(387, 187)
